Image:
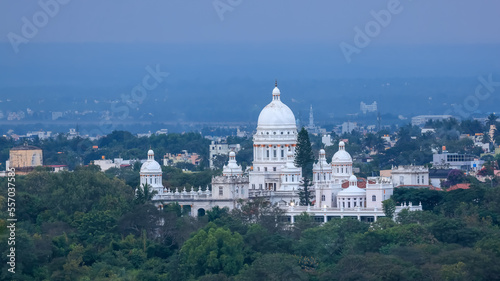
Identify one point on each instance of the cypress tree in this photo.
(304, 158)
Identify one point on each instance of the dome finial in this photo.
(276, 91)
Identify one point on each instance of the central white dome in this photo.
(276, 114)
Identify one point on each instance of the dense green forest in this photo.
(87, 225)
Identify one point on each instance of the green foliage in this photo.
(389, 207)
(305, 193)
(304, 157)
(144, 194)
(274, 267)
(87, 225)
(212, 250)
(428, 197)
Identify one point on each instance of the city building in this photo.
(106, 164)
(421, 120)
(409, 175)
(24, 158)
(57, 168)
(464, 162)
(221, 148)
(170, 159)
(326, 140)
(437, 176)
(42, 135)
(348, 127)
(368, 107)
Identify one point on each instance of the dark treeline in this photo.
(85, 225)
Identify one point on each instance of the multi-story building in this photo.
(464, 162)
(421, 120)
(24, 158)
(220, 148)
(410, 175)
(170, 159)
(368, 107)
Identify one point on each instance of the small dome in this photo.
(232, 154)
(352, 189)
(276, 91)
(321, 152)
(151, 166)
(341, 155)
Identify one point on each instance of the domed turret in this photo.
(322, 172)
(352, 196)
(232, 168)
(276, 115)
(151, 165)
(151, 173)
(353, 188)
(341, 164)
(341, 155)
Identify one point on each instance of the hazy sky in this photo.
(256, 21)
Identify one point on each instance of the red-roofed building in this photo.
(459, 186)
(361, 183)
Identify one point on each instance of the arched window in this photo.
(374, 198)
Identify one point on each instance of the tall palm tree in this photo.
(144, 193)
(492, 119)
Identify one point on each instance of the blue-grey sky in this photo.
(323, 52)
(256, 21)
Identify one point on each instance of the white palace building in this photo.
(274, 176)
